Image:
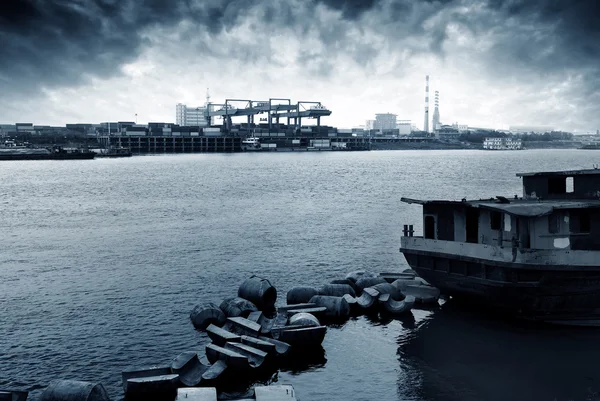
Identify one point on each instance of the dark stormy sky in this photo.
(495, 62)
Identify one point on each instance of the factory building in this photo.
(385, 121)
(190, 116)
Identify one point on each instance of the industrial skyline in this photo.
(498, 63)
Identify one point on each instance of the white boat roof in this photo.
(516, 207)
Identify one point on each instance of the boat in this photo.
(114, 152)
(535, 257)
(251, 144)
(591, 146)
(20, 152)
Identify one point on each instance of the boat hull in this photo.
(542, 291)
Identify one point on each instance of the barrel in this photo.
(203, 315)
(336, 290)
(300, 295)
(234, 307)
(365, 282)
(336, 306)
(304, 319)
(73, 390)
(259, 291)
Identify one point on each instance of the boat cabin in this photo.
(558, 210)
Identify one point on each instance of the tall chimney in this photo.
(426, 125)
(436, 111)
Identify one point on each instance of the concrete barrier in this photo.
(73, 390)
(206, 314)
(337, 290)
(260, 292)
(300, 295)
(336, 306)
(234, 307)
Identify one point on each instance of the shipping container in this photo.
(295, 141)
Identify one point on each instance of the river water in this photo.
(103, 260)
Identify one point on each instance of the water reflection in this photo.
(461, 354)
(303, 360)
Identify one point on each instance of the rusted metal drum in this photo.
(259, 291)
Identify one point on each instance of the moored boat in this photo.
(54, 153)
(536, 257)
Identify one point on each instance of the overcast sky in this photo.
(496, 62)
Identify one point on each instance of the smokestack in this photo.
(436, 111)
(426, 125)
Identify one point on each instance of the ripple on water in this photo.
(102, 263)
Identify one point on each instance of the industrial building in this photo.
(192, 116)
(385, 121)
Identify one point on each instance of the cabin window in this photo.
(495, 220)
(570, 185)
(507, 223)
(429, 227)
(557, 185)
(554, 224)
(580, 221)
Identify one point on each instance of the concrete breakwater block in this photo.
(259, 291)
(189, 368)
(365, 282)
(266, 323)
(299, 295)
(235, 307)
(318, 311)
(197, 394)
(275, 393)
(241, 326)
(304, 319)
(391, 277)
(256, 357)
(302, 337)
(13, 395)
(344, 281)
(214, 372)
(356, 275)
(285, 308)
(143, 372)
(336, 306)
(402, 283)
(368, 298)
(387, 288)
(257, 343)
(233, 359)
(336, 290)
(396, 307)
(73, 390)
(206, 314)
(162, 387)
(220, 336)
(281, 348)
(424, 294)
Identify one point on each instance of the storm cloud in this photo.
(62, 44)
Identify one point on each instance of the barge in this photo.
(535, 257)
